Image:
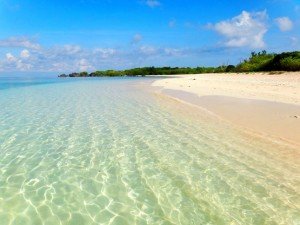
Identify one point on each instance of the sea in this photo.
(116, 151)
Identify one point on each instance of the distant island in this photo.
(257, 62)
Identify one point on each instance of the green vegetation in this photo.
(262, 61)
(257, 62)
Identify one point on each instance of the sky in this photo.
(87, 35)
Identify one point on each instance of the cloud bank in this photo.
(15, 42)
(245, 30)
(284, 24)
(69, 58)
(152, 3)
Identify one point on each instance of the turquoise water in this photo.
(109, 151)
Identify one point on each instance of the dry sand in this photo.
(267, 104)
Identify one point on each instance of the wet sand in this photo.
(264, 104)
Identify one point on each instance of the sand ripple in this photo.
(106, 153)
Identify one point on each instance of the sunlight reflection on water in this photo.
(105, 152)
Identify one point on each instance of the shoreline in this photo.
(243, 100)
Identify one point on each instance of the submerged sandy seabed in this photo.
(110, 153)
(267, 104)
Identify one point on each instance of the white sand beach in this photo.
(268, 104)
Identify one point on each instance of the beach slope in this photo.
(263, 103)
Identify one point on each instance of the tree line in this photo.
(257, 62)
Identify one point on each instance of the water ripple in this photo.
(106, 152)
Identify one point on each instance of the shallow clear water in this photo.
(104, 151)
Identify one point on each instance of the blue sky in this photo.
(65, 36)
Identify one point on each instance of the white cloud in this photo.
(58, 59)
(151, 51)
(70, 58)
(137, 38)
(105, 53)
(65, 58)
(13, 63)
(25, 53)
(84, 65)
(148, 50)
(22, 66)
(284, 23)
(152, 3)
(294, 40)
(244, 30)
(10, 57)
(71, 49)
(19, 42)
(173, 52)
